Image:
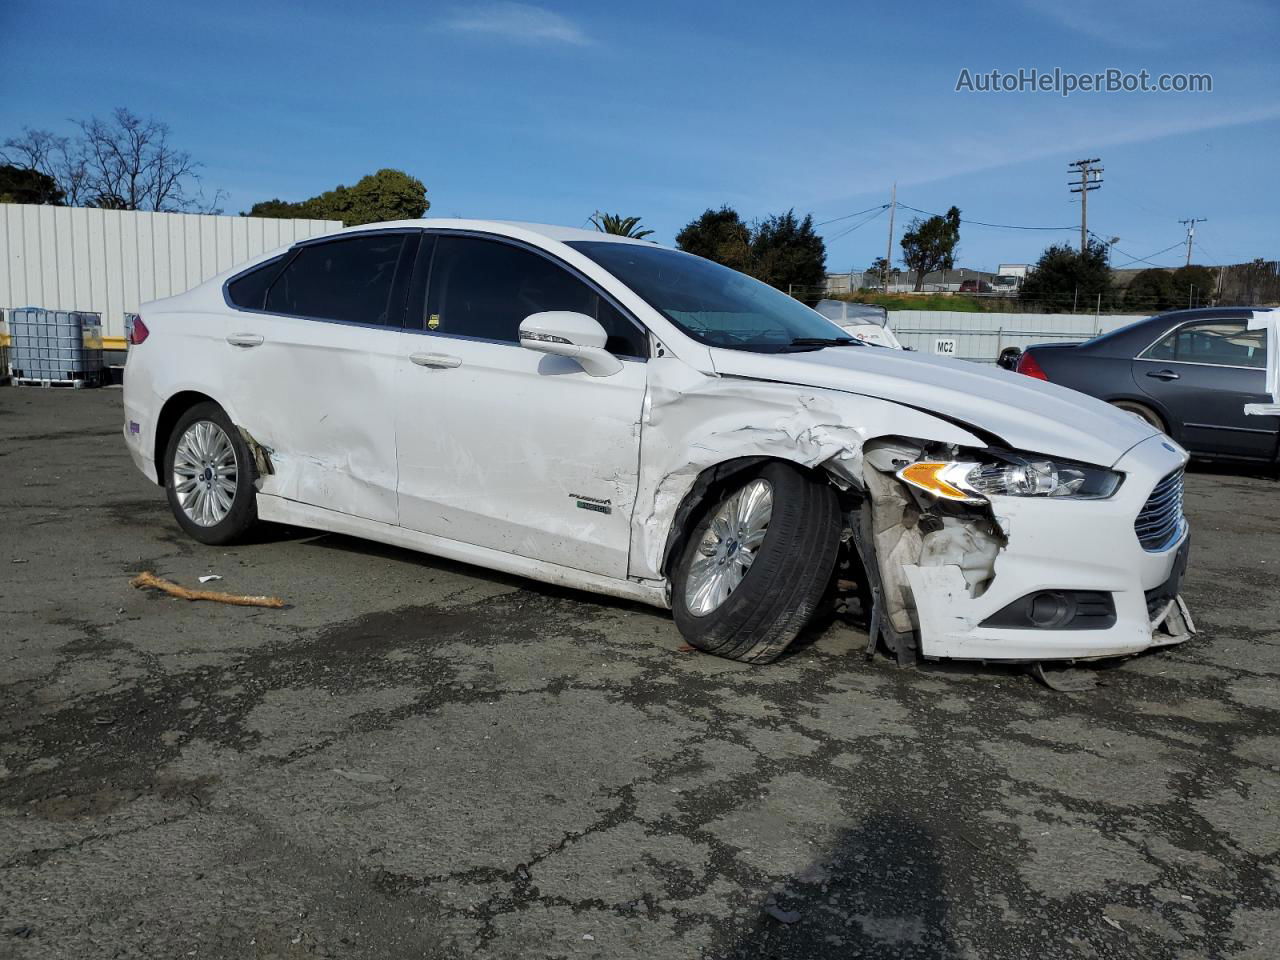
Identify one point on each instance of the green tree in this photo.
(930, 245)
(1150, 290)
(276, 210)
(618, 225)
(786, 253)
(1065, 275)
(782, 250)
(1160, 289)
(376, 198)
(19, 185)
(718, 235)
(1194, 286)
(875, 274)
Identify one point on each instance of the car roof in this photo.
(1193, 313)
(510, 228)
(1141, 332)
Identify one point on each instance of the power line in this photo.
(1132, 258)
(848, 216)
(980, 223)
(860, 223)
(1214, 260)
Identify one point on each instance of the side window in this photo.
(249, 290)
(1166, 349)
(1218, 342)
(348, 279)
(485, 288)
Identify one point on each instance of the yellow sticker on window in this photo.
(433, 321)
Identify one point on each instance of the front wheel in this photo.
(756, 565)
(209, 476)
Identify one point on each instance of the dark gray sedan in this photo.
(1188, 372)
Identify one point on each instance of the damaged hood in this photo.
(1025, 413)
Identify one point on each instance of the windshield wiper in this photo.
(826, 342)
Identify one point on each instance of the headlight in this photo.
(1009, 475)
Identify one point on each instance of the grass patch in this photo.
(923, 301)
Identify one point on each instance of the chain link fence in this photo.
(1244, 284)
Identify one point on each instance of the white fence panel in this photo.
(111, 261)
(981, 336)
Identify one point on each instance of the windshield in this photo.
(713, 304)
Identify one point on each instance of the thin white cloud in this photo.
(964, 154)
(521, 22)
(1151, 24)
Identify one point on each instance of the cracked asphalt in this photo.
(422, 759)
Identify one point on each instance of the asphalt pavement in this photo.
(416, 758)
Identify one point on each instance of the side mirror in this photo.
(568, 334)
(1008, 358)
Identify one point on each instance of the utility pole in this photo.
(888, 254)
(1190, 224)
(1089, 174)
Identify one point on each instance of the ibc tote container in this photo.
(55, 346)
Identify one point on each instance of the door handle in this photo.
(1163, 375)
(442, 360)
(244, 339)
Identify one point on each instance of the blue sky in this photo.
(547, 112)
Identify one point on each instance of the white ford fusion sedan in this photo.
(607, 414)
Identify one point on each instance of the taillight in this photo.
(137, 331)
(1027, 365)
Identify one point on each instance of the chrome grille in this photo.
(1160, 523)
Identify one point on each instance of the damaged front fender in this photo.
(693, 423)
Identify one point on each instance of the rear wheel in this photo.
(756, 565)
(209, 476)
(1142, 412)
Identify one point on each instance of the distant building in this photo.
(939, 281)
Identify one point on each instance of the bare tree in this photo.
(122, 163)
(132, 166)
(58, 157)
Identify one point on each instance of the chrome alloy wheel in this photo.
(729, 547)
(205, 473)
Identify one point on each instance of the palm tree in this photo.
(617, 224)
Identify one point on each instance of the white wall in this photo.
(981, 336)
(110, 261)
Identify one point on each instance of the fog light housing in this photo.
(1057, 610)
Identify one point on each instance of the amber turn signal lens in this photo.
(927, 475)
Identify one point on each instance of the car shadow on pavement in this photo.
(1242, 469)
(371, 548)
(878, 891)
(264, 532)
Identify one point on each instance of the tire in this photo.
(782, 585)
(1142, 412)
(218, 524)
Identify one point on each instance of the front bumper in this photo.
(1063, 545)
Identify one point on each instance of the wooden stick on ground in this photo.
(149, 579)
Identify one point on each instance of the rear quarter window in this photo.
(348, 279)
(249, 289)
